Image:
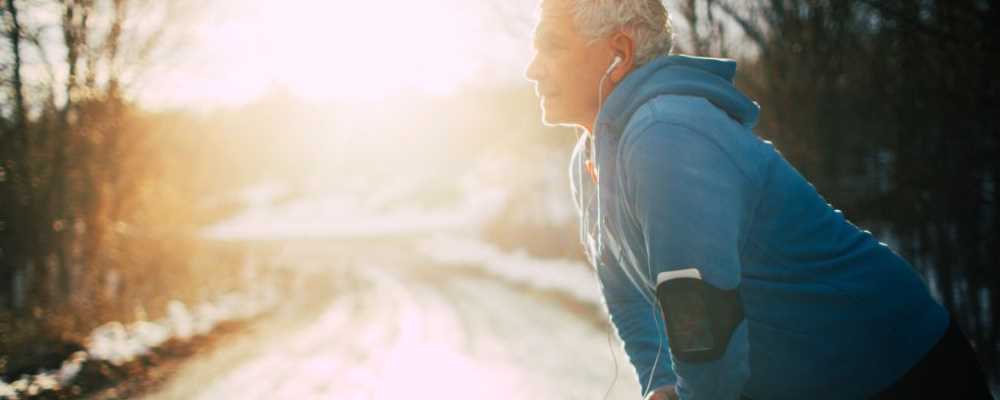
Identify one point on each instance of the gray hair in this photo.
(646, 20)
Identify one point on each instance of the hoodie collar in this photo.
(710, 78)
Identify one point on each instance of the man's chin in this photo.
(551, 117)
(549, 121)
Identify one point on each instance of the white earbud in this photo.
(600, 89)
(614, 64)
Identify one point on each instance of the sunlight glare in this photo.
(369, 49)
(331, 49)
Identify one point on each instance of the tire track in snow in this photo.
(410, 331)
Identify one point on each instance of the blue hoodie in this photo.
(831, 313)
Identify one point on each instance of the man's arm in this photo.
(688, 199)
(639, 325)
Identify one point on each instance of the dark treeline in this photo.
(97, 203)
(890, 108)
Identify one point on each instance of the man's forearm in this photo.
(720, 379)
(639, 327)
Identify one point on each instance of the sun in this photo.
(371, 49)
(330, 49)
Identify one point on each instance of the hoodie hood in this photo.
(709, 78)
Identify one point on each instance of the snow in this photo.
(347, 213)
(118, 343)
(451, 233)
(396, 332)
(71, 368)
(112, 342)
(570, 277)
(6, 391)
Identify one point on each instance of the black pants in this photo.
(949, 371)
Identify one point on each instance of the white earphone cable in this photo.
(586, 235)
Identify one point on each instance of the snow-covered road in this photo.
(402, 326)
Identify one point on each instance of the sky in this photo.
(344, 50)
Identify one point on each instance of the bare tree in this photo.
(14, 174)
(61, 173)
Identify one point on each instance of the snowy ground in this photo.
(571, 278)
(407, 322)
(412, 323)
(118, 343)
(403, 327)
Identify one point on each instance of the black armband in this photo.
(700, 318)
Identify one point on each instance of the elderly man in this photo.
(724, 273)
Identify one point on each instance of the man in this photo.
(724, 273)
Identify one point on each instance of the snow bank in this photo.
(570, 277)
(363, 211)
(337, 215)
(118, 343)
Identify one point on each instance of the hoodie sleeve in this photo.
(687, 198)
(639, 325)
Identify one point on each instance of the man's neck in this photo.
(589, 126)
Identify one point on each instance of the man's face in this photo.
(566, 68)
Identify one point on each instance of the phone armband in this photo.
(700, 318)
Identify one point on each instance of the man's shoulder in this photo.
(669, 124)
(678, 110)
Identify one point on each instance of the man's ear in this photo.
(623, 46)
